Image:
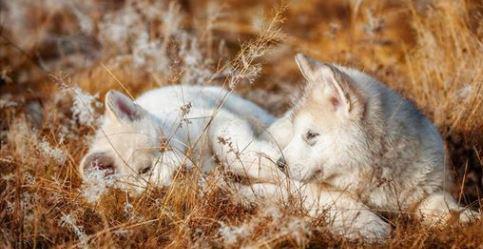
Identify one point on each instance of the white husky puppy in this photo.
(361, 146)
(146, 141)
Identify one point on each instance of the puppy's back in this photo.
(411, 144)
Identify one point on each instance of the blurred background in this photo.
(429, 51)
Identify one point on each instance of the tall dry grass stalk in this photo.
(446, 66)
(56, 55)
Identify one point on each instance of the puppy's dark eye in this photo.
(145, 170)
(311, 135)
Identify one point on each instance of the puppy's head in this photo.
(327, 124)
(129, 145)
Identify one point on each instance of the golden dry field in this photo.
(59, 57)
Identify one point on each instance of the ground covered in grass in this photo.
(58, 58)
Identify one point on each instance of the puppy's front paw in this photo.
(468, 216)
(366, 226)
(245, 195)
(375, 231)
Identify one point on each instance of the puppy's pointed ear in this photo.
(100, 161)
(344, 95)
(335, 85)
(307, 66)
(121, 107)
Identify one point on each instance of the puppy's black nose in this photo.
(281, 163)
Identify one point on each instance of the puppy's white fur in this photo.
(351, 146)
(350, 136)
(148, 140)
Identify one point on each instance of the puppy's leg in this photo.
(280, 132)
(234, 143)
(262, 191)
(345, 216)
(437, 209)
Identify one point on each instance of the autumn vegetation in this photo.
(58, 58)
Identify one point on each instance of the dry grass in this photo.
(430, 51)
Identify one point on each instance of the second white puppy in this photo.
(361, 148)
(146, 141)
